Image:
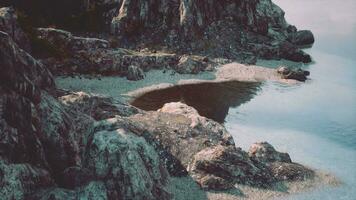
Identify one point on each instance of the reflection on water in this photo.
(212, 100)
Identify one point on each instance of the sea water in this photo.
(314, 122)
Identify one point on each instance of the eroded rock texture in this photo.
(212, 159)
(50, 149)
(61, 145)
(9, 24)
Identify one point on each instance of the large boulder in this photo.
(265, 152)
(279, 164)
(295, 74)
(302, 38)
(130, 167)
(228, 165)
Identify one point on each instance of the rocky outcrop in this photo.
(230, 165)
(265, 152)
(304, 37)
(135, 73)
(194, 16)
(95, 56)
(201, 27)
(97, 107)
(239, 29)
(280, 164)
(298, 74)
(50, 148)
(9, 24)
(212, 159)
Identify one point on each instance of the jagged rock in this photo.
(130, 167)
(17, 181)
(61, 141)
(283, 70)
(193, 16)
(65, 40)
(304, 37)
(25, 75)
(98, 107)
(135, 73)
(151, 61)
(9, 24)
(189, 65)
(285, 171)
(95, 190)
(94, 56)
(58, 136)
(211, 182)
(231, 164)
(280, 164)
(265, 152)
(21, 81)
(299, 74)
(54, 194)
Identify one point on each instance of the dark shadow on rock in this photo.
(211, 100)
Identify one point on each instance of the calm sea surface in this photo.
(315, 122)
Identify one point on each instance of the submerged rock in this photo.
(299, 74)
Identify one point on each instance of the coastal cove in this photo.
(178, 100)
(314, 121)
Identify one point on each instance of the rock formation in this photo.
(50, 149)
(58, 144)
(9, 24)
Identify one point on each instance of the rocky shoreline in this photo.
(60, 144)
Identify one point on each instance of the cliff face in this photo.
(241, 30)
(230, 29)
(191, 16)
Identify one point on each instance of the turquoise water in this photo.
(315, 122)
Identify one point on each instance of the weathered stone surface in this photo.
(64, 39)
(94, 56)
(285, 171)
(59, 138)
(21, 81)
(97, 107)
(265, 152)
(189, 65)
(304, 37)
(298, 74)
(135, 73)
(9, 24)
(130, 167)
(231, 164)
(17, 181)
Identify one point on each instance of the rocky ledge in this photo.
(136, 36)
